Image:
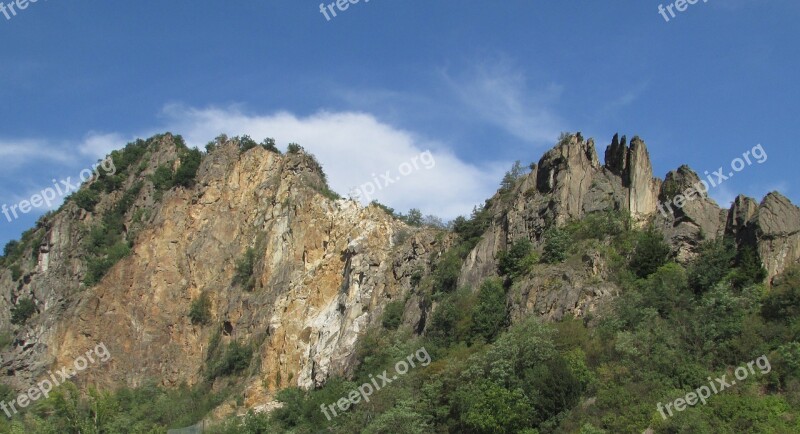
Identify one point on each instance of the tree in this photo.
(393, 315)
(269, 145)
(512, 176)
(649, 254)
(24, 309)
(490, 315)
(414, 217)
(190, 163)
(556, 246)
(86, 199)
(517, 260)
(712, 264)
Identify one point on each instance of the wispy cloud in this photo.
(18, 152)
(498, 92)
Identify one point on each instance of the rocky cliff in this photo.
(322, 268)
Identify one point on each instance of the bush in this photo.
(11, 248)
(200, 310)
(490, 315)
(393, 315)
(294, 148)
(269, 145)
(245, 269)
(235, 360)
(446, 271)
(712, 265)
(163, 178)
(650, 253)
(556, 246)
(16, 272)
(517, 260)
(98, 266)
(86, 199)
(186, 173)
(246, 143)
(782, 304)
(24, 309)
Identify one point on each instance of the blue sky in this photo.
(480, 84)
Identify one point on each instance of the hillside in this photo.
(235, 281)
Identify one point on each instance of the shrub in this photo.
(783, 301)
(414, 217)
(98, 266)
(556, 246)
(650, 253)
(234, 360)
(711, 265)
(86, 199)
(490, 315)
(393, 315)
(16, 272)
(749, 269)
(269, 145)
(163, 178)
(11, 248)
(294, 148)
(446, 271)
(517, 260)
(246, 143)
(244, 270)
(24, 309)
(200, 310)
(186, 173)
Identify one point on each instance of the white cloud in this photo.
(498, 93)
(99, 145)
(16, 153)
(353, 149)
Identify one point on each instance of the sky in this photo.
(474, 85)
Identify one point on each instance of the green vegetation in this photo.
(517, 260)
(393, 315)
(145, 410)
(106, 243)
(187, 172)
(294, 148)
(229, 361)
(557, 243)
(22, 311)
(16, 272)
(659, 339)
(650, 253)
(490, 314)
(245, 268)
(200, 310)
(269, 145)
(86, 199)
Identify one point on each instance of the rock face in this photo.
(773, 227)
(568, 183)
(324, 269)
